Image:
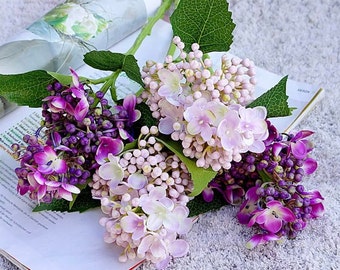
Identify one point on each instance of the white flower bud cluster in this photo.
(232, 83)
(154, 180)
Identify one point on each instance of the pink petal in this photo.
(81, 109)
(309, 166)
(317, 210)
(70, 188)
(272, 224)
(277, 147)
(60, 166)
(41, 192)
(106, 146)
(299, 149)
(65, 194)
(286, 214)
(154, 222)
(145, 244)
(178, 248)
(157, 249)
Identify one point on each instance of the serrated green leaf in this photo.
(106, 60)
(82, 203)
(26, 89)
(199, 206)
(275, 100)
(206, 22)
(200, 176)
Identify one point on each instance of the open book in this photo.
(53, 240)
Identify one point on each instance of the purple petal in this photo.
(234, 194)
(36, 177)
(259, 239)
(299, 149)
(41, 192)
(272, 224)
(317, 210)
(309, 165)
(81, 109)
(208, 194)
(106, 146)
(60, 166)
(277, 147)
(286, 214)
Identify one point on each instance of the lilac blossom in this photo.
(249, 205)
(132, 223)
(227, 130)
(111, 171)
(56, 104)
(272, 218)
(253, 128)
(108, 145)
(49, 162)
(171, 88)
(170, 115)
(199, 119)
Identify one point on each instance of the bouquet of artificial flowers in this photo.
(193, 139)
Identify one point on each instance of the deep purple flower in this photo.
(272, 217)
(129, 110)
(48, 161)
(248, 206)
(106, 146)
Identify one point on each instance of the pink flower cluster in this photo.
(143, 194)
(205, 109)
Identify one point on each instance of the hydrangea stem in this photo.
(146, 30)
(110, 81)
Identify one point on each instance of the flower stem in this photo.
(146, 30)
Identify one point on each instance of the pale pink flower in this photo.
(111, 171)
(199, 119)
(228, 132)
(171, 88)
(132, 223)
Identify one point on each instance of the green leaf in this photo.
(206, 22)
(200, 176)
(146, 119)
(199, 206)
(275, 100)
(65, 79)
(82, 203)
(106, 60)
(26, 89)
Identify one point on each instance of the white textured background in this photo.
(298, 38)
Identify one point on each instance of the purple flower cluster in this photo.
(268, 187)
(80, 129)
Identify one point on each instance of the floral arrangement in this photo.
(192, 140)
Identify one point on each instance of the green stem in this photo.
(146, 30)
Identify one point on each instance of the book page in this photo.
(73, 240)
